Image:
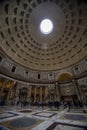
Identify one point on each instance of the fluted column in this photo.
(77, 89)
(49, 96)
(12, 84)
(30, 91)
(46, 94)
(46, 91)
(40, 94)
(35, 91)
(49, 92)
(17, 91)
(58, 94)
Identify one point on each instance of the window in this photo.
(26, 73)
(13, 69)
(38, 76)
(1, 58)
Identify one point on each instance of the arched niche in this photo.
(64, 77)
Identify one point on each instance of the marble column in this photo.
(17, 94)
(77, 89)
(10, 89)
(49, 92)
(46, 94)
(40, 94)
(58, 94)
(30, 91)
(35, 91)
(17, 91)
(30, 88)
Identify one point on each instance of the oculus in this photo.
(46, 26)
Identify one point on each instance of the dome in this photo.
(22, 40)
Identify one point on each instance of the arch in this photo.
(64, 77)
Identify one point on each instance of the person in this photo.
(69, 105)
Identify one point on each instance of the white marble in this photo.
(44, 113)
(61, 127)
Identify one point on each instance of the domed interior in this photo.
(43, 64)
(22, 39)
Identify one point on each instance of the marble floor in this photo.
(34, 118)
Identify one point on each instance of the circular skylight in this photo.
(46, 26)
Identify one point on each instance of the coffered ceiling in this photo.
(22, 40)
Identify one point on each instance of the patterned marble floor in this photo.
(62, 127)
(32, 118)
(4, 115)
(45, 114)
(65, 126)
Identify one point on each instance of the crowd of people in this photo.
(53, 104)
(50, 104)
